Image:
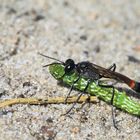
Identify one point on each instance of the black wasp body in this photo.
(82, 69)
(95, 72)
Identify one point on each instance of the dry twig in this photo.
(49, 100)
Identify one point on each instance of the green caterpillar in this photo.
(121, 100)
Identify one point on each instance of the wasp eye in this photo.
(69, 65)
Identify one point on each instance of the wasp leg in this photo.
(112, 67)
(111, 102)
(78, 98)
(71, 88)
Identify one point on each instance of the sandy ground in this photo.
(103, 32)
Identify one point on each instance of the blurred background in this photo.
(102, 32)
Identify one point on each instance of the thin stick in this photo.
(49, 100)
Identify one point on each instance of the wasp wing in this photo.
(107, 73)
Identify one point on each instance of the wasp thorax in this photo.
(69, 65)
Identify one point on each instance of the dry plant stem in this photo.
(49, 100)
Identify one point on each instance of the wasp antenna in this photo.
(50, 64)
(51, 58)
